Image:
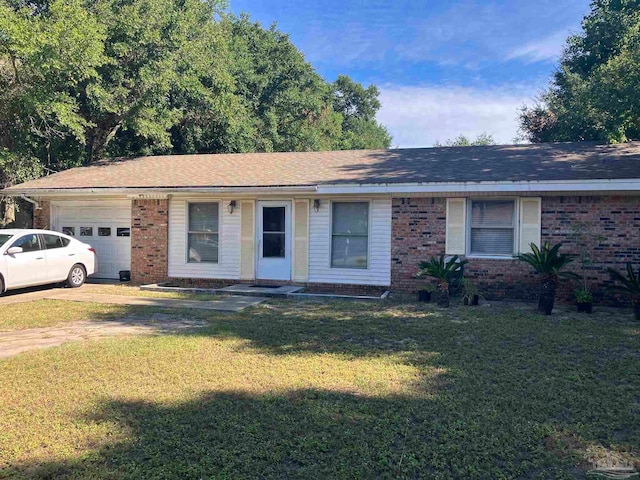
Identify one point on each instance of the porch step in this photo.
(261, 290)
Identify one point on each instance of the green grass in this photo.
(50, 313)
(331, 390)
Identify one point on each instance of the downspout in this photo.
(31, 200)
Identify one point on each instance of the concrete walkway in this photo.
(13, 343)
(85, 294)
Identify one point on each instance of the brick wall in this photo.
(419, 232)
(42, 215)
(149, 240)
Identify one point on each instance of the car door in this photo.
(28, 267)
(60, 256)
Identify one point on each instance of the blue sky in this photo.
(443, 67)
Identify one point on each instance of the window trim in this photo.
(188, 231)
(369, 217)
(516, 228)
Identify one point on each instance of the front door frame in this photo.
(279, 268)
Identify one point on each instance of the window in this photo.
(123, 232)
(86, 231)
(492, 227)
(104, 232)
(4, 238)
(71, 231)
(28, 243)
(274, 232)
(203, 233)
(350, 234)
(53, 241)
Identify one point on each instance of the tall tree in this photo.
(594, 92)
(81, 80)
(358, 106)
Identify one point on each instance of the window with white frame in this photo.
(492, 227)
(203, 232)
(349, 234)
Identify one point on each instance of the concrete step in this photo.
(257, 289)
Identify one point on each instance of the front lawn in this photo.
(331, 390)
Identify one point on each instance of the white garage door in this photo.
(106, 226)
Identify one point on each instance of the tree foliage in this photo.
(84, 80)
(594, 92)
(463, 141)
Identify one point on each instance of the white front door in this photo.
(274, 240)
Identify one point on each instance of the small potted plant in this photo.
(629, 285)
(470, 293)
(584, 235)
(442, 270)
(425, 293)
(584, 299)
(548, 262)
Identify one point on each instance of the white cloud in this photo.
(547, 49)
(418, 116)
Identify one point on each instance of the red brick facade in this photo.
(418, 232)
(42, 215)
(149, 240)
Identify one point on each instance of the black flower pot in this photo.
(424, 296)
(585, 307)
(443, 299)
(547, 296)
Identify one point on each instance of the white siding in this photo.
(228, 266)
(379, 269)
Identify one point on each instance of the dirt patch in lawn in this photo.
(16, 342)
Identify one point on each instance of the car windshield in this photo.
(4, 237)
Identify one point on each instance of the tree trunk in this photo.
(547, 295)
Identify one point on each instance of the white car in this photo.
(38, 257)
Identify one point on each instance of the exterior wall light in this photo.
(231, 207)
(316, 205)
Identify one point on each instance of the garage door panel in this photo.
(98, 225)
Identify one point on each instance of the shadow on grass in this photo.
(307, 434)
(523, 397)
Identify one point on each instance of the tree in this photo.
(358, 106)
(84, 80)
(593, 94)
(463, 141)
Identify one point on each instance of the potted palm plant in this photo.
(443, 271)
(629, 285)
(549, 263)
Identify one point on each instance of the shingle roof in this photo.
(538, 162)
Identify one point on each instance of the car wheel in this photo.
(77, 276)
(1, 287)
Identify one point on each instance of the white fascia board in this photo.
(477, 187)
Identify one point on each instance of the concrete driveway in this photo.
(87, 293)
(15, 342)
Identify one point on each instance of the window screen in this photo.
(492, 227)
(203, 232)
(350, 234)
